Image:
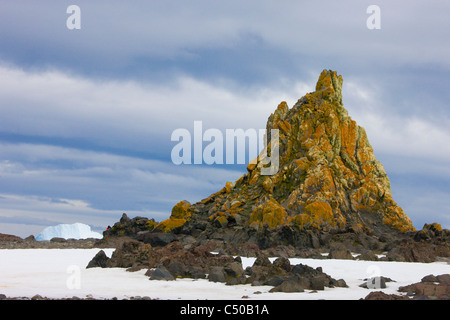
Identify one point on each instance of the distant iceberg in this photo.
(68, 231)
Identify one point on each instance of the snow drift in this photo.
(68, 231)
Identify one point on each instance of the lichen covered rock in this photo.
(180, 214)
(328, 177)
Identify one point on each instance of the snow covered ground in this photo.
(62, 273)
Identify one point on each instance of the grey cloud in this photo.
(116, 36)
(105, 181)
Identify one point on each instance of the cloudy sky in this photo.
(86, 115)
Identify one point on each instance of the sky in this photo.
(86, 114)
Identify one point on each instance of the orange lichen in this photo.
(181, 210)
(301, 220)
(151, 224)
(321, 214)
(270, 213)
(228, 186)
(170, 224)
(432, 226)
(396, 217)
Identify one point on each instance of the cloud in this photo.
(107, 180)
(124, 114)
(83, 148)
(47, 185)
(394, 131)
(118, 39)
(28, 214)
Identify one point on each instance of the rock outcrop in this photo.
(173, 261)
(431, 287)
(328, 193)
(328, 180)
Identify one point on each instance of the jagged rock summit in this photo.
(328, 181)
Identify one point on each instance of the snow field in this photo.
(62, 273)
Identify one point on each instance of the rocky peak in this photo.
(328, 177)
(329, 86)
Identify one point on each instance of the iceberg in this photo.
(68, 231)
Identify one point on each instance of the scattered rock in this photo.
(430, 287)
(292, 285)
(100, 260)
(430, 278)
(317, 283)
(234, 269)
(340, 254)
(161, 273)
(217, 274)
(367, 256)
(374, 283)
(379, 295)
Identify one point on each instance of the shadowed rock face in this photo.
(328, 177)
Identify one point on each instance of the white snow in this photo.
(60, 273)
(68, 231)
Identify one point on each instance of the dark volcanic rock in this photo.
(100, 260)
(217, 274)
(290, 285)
(410, 250)
(130, 227)
(161, 273)
(10, 237)
(340, 254)
(158, 239)
(429, 289)
(379, 295)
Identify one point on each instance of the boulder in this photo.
(291, 285)
(282, 263)
(428, 288)
(195, 272)
(262, 261)
(318, 283)
(234, 269)
(100, 260)
(157, 239)
(367, 256)
(129, 253)
(217, 274)
(161, 273)
(374, 283)
(336, 253)
(379, 295)
(443, 279)
(429, 278)
(130, 227)
(177, 269)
